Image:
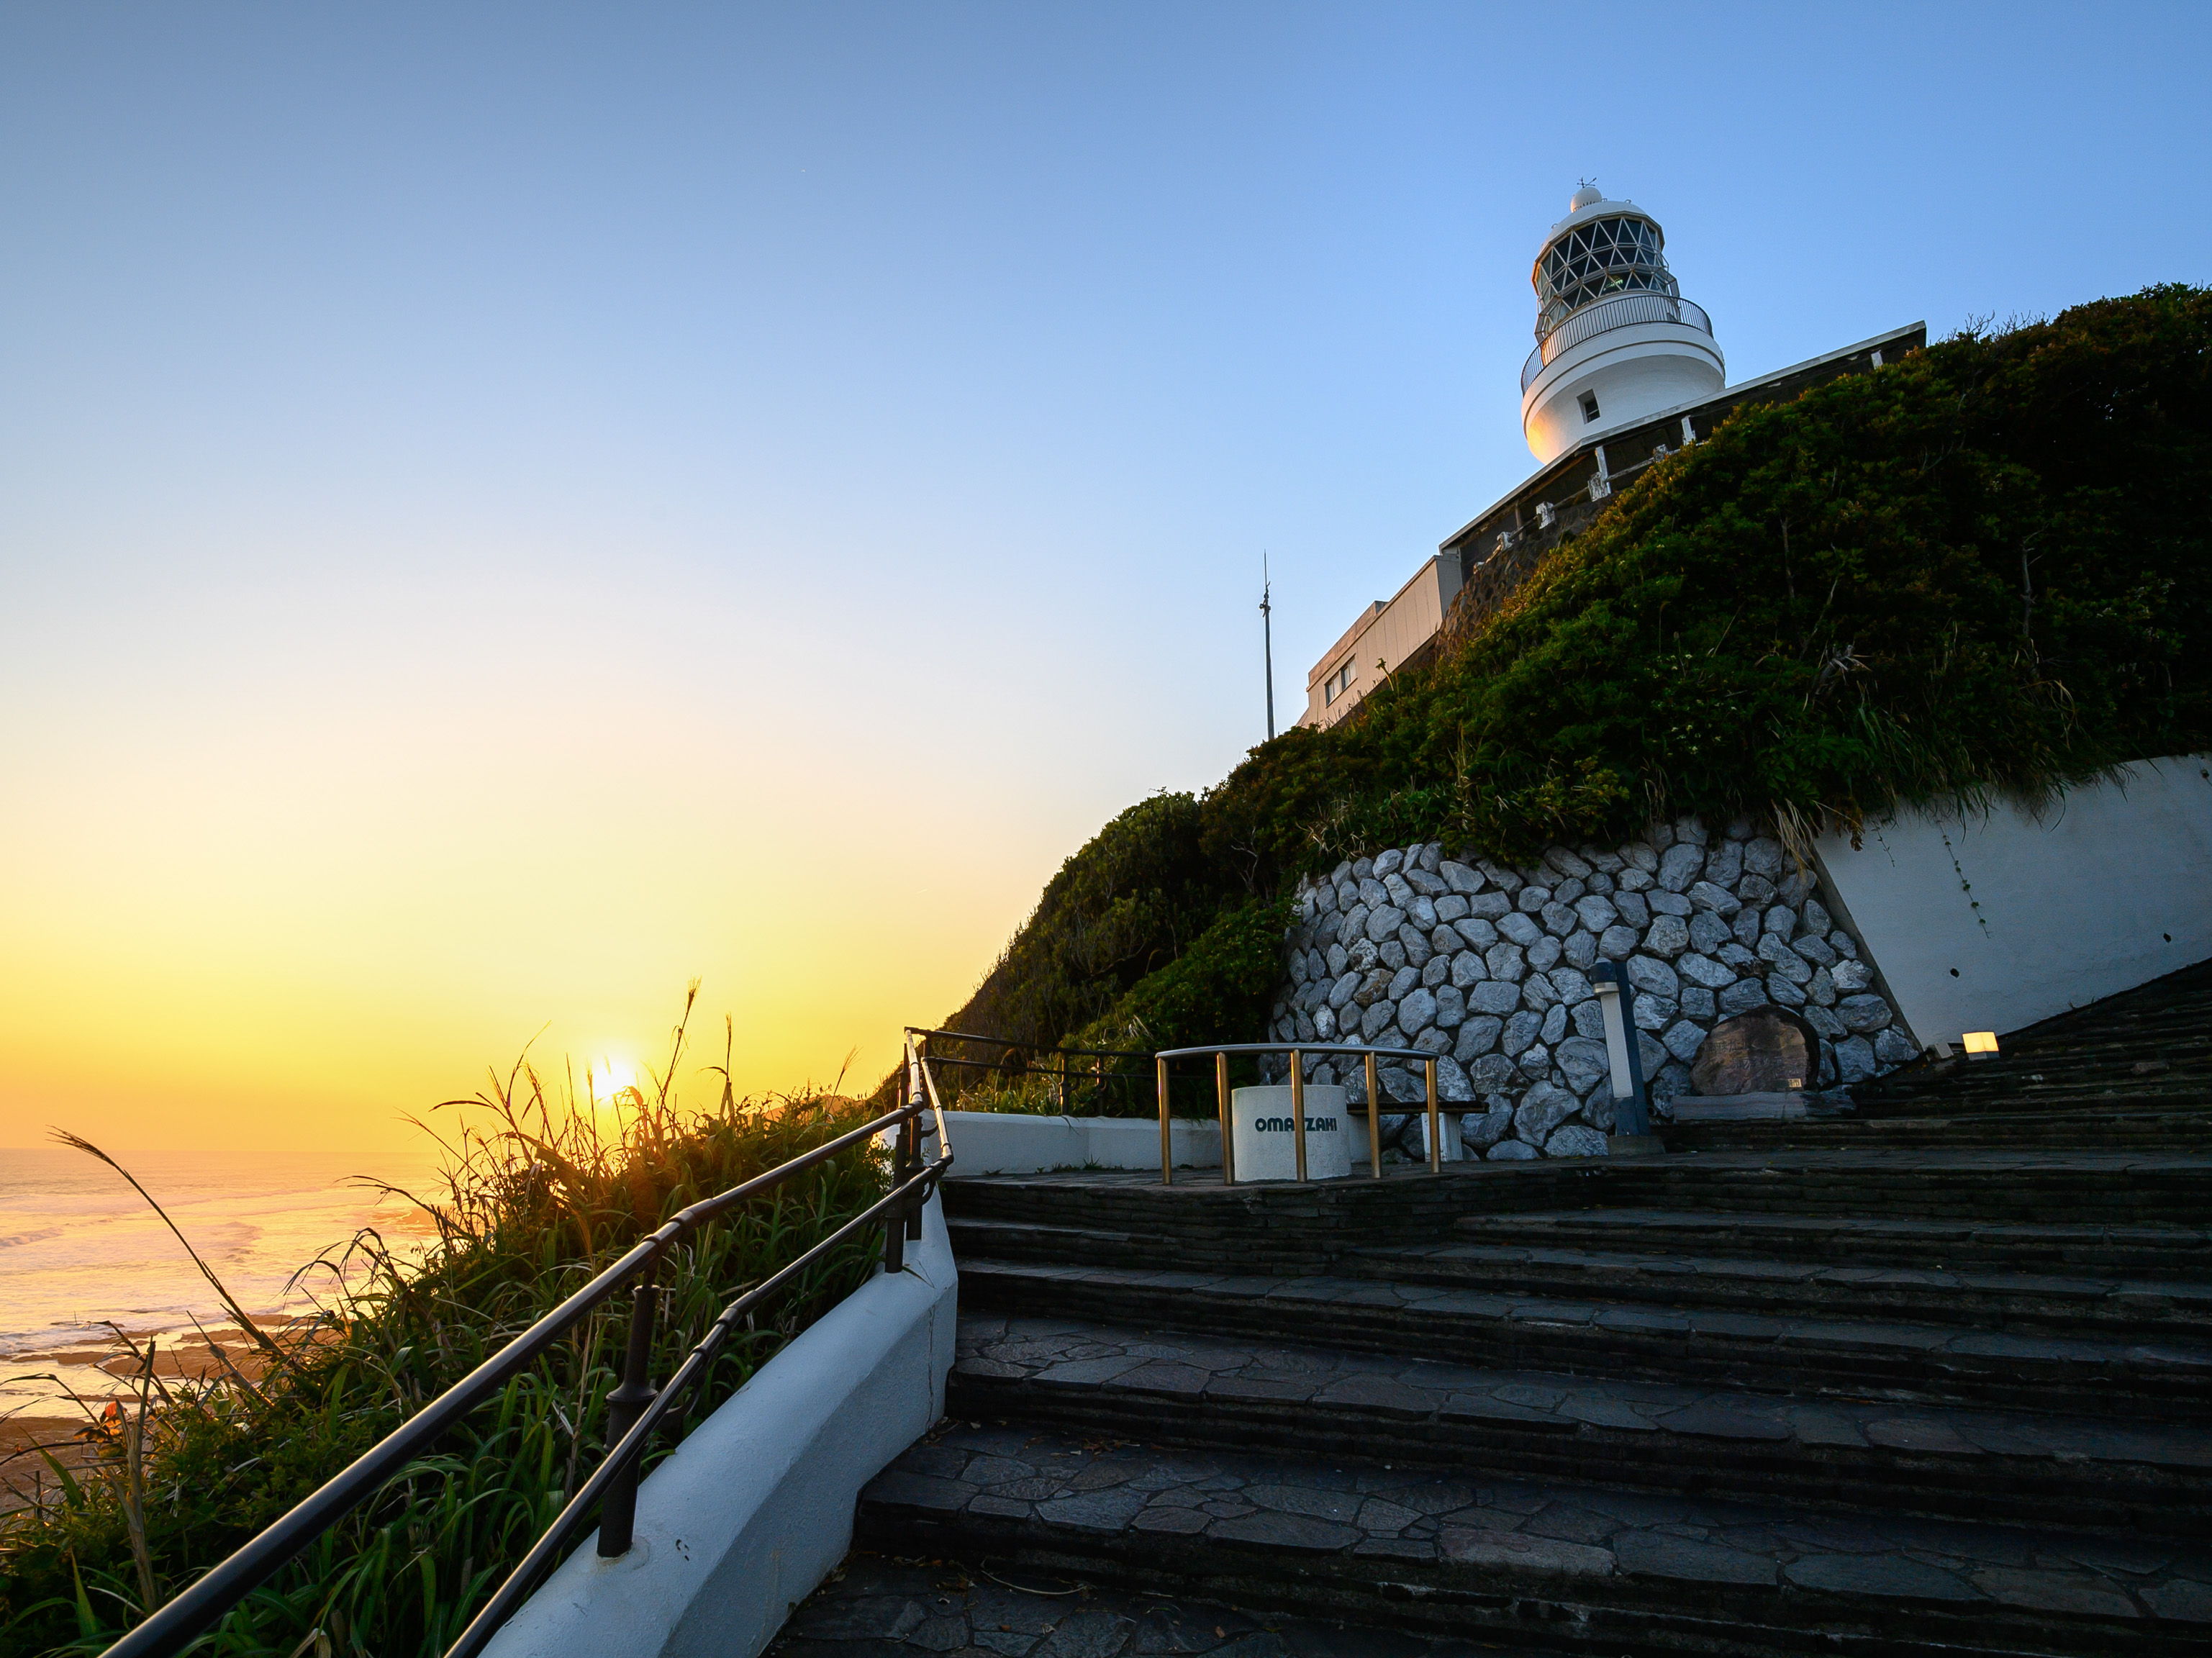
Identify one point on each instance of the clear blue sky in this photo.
(761, 486)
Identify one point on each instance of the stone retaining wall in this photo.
(1488, 968)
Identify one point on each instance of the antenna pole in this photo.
(1268, 643)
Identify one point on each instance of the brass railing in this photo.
(1300, 1052)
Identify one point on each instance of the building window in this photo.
(1338, 682)
(1590, 406)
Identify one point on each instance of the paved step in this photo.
(1289, 1228)
(877, 1605)
(1986, 1085)
(2066, 1300)
(1544, 1565)
(1823, 1357)
(2066, 1303)
(1213, 1390)
(2146, 1131)
(2141, 1251)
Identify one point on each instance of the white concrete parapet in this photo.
(1016, 1143)
(755, 1507)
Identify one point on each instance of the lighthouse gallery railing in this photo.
(1621, 311)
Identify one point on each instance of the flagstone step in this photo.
(1212, 1391)
(2143, 1252)
(1285, 1227)
(880, 1606)
(2181, 1081)
(2055, 1130)
(1821, 1356)
(1831, 1278)
(1544, 1566)
(2064, 1302)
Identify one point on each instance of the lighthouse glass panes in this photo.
(1606, 256)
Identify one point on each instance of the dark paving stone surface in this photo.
(1827, 1163)
(2026, 1186)
(2131, 1369)
(879, 1606)
(2081, 1300)
(2154, 1251)
(1395, 1515)
(1071, 1353)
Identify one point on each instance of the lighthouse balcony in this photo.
(1622, 311)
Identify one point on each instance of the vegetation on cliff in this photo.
(1981, 570)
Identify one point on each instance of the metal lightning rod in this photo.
(1267, 638)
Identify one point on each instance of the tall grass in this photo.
(541, 1189)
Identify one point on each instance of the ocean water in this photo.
(79, 1249)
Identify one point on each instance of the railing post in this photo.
(895, 1222)
(1167, 1148)
(912, 1135)
(1373, 1094)
(1436, 1144)
(1221, 1109)
(625, 1405)
(1374, 1121)
(1298, 1112)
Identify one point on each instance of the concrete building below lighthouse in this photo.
(1615, 340)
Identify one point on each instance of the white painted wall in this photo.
(1015, 1143)
(1991, 924)
(1381, 640)
(756, 1506)
(1634, 371)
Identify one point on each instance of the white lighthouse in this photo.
(1615, 340)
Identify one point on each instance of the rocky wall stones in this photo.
(1487, 967)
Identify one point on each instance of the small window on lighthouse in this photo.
(1590, 406)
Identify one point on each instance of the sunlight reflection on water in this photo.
(78, 1245)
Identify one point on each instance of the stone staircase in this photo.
(1760, 1398)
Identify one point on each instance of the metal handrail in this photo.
(1064, 1074)
(1619, 311)
(1026, 1047)
(635, 1408)
(1299, 1052)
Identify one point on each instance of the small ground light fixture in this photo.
(1979, 1044)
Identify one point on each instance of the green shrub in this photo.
(1218, 990)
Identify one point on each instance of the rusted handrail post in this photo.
(1167, 1147)
(1436, 1144)
(1374, 1121)
(618, 1511)
(1221, 1109)
(1298, 1111)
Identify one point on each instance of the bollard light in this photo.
(1979, 1044)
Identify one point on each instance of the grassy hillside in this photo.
(1982, 569)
